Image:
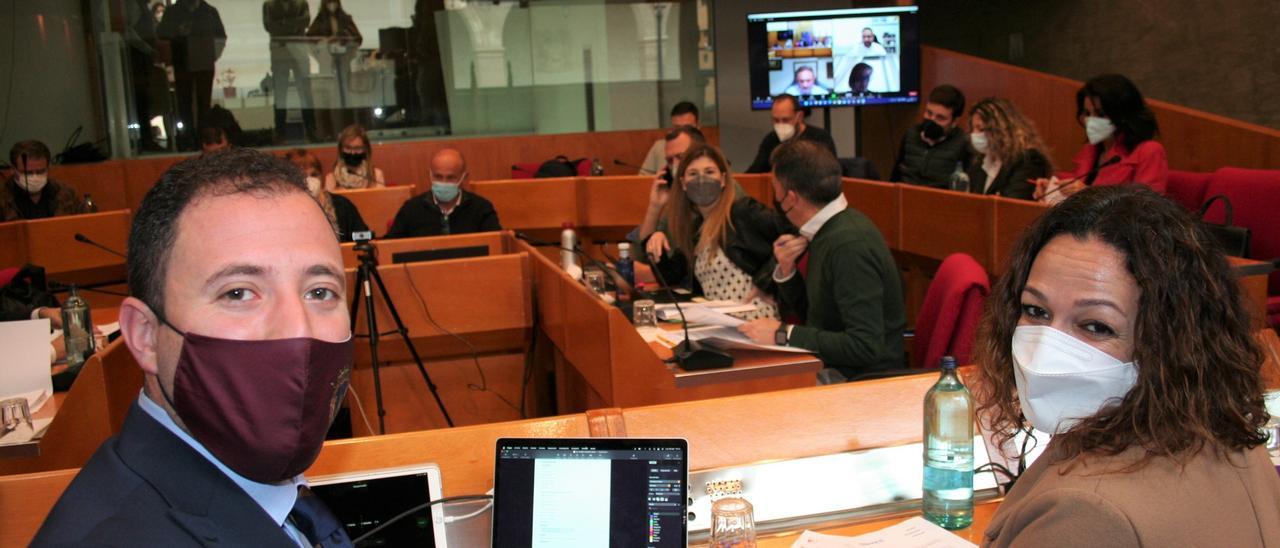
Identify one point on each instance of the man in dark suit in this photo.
(448, 208)
(238, 321)
(851, 296)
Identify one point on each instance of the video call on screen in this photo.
(617, 498)
(835, 58)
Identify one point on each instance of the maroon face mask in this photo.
(261, 407)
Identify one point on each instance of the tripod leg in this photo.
(362, 283)
(404, 334)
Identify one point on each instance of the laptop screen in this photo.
(591, 492)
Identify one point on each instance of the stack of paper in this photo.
(916, 532)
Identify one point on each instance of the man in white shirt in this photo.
(805, 83)
(683, 114)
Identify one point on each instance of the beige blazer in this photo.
(1211, 502)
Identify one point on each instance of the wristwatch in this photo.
(780, 336)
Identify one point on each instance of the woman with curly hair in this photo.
(1010, 152)
(1118, 328)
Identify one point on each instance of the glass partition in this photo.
(288, 72)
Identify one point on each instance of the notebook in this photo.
(591, 492)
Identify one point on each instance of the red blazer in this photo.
(1144, 164)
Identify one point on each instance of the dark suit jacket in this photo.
(748, 244)
(1011, 180)
(146, 487)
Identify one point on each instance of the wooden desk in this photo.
(51, 243)
(601, 361)
(378, 206)
(90, 412)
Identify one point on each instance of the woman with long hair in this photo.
(1119, 330)
(727, 238)
(340, 211)
(354, 168)
(1010, 152)
(1121, 130)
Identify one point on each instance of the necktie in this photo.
(314, 520)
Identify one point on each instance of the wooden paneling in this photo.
(25, 500)
(14, 250)
(533, 203)
(816, 421)
(937, 223)
(378, 206)
(757, 185)
(587, 341)
(881, 203)
(613, 201)
(496, 242)
(399, 164)
(142, 174)
(465, 454)
(102, 180)
(1012, 219)
(51, 243)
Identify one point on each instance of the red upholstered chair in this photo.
(1187, 188)
(527, 170)
(948, 320)
(1255, 196)
(7, 274)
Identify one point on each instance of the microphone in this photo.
(1064, 184)
(691, 355)
(57, 286)
(643, 170)
(85, 240)
(577, 249)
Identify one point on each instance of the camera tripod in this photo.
(365, 273)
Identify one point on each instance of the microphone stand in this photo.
(692, 355)
(85, 240)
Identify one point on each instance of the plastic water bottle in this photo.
(959, 179)
(626, 268)
(88, 206)
(597, 169)
(77, 330)
(948, 450)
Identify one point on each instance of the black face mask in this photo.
(932, 131)
(353, 160)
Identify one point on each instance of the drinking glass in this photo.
(644, 314)
(733, 525)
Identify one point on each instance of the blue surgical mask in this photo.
(1098, 129)
(444, 192)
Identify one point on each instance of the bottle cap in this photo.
(624, 246)
(948, 363)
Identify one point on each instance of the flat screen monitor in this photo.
(442, 254)
(591, 492)
(835, 58)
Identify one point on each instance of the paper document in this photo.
(24, 368)
(916, 532)
(728, 338)
(697, 313)
(25, 434)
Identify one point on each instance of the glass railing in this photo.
(289, 72)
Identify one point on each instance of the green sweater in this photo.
(851, 298)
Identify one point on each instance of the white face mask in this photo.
(784, 131)
(1062, 379)
(34, 182)
(1098, 129)
(979, 141)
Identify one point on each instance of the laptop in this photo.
(568, 492)
(365, 500)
